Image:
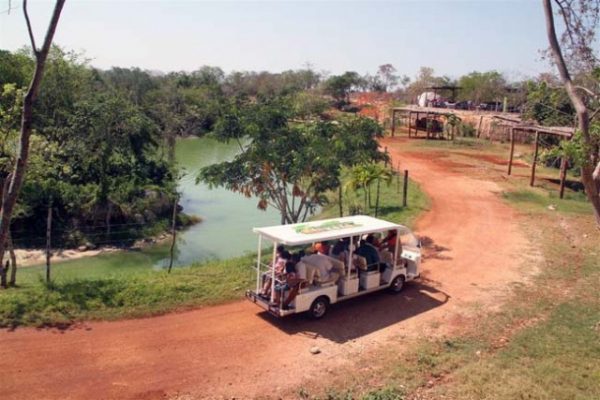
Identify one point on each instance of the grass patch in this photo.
(457, 143)
(129, 293)
(539, 201)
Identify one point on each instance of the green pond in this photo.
(225, 230)
(227, 217)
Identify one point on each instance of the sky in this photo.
(453, 37)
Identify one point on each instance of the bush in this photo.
(467, 130)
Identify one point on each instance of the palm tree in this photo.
(453, 121)
(380, 173)
(359, 177)
(363, 176)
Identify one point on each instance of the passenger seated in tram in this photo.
(370, 253)
(290, 282)
(321, 248)
(340, 250)
(389, 241)
(282, 257)
(326, 270)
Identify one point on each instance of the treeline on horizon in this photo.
(102, 155)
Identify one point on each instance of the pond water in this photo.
(227, 217)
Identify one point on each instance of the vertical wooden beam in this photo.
(479, 126)
(535, 157)
(563, 175)
(398, 178)
(417, 125)
(405, 189)
(512, 150)
(409, 118)
(427, 124)
(48, 241)
(393, 122)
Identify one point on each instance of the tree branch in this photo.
(588, 91)
(29, 30)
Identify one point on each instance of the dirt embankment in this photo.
(474, 250)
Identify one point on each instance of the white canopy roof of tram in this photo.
(327, 229)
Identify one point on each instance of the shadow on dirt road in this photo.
(361, 316)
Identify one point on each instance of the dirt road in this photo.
(474, 251)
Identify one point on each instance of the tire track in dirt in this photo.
(475, 250)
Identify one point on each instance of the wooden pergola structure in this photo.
(563, 132)
(407, 115)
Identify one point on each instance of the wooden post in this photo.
(417, 125)
(377, 197)
(563, 175)
(13, 261)
(398, 178)
(48, 241)
(427, 125)
(479, 126)
(512, 149)
(173, 233)
(408, 122)
(386, 156)
(535, 157)
(405, 189)
(393, 122)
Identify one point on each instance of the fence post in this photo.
(173, 233)
(398, 178)
(563, 175)
(405, 190)
(48, 241)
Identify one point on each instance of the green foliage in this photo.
(95, 153)
(467, 130)
(15, 68)
(390, 202)
(340, 86)
(548, 105)
(482, 86)
(288, 163)
(576, 149)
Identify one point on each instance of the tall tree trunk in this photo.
(3, 272)
(592, 186)
(13, 262)
(8, 202)
(108, 216)
(340, 200)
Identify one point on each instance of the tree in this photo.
(16, 180)
(286, 165)
(388, 78)
(580, 18)
(548, 105)
(482, 86)
(289, 163)
(355, 144)
(426, 78)
(340, 86)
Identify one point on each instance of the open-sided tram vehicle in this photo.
(352, 278)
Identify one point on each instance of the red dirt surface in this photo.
(474, 250)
